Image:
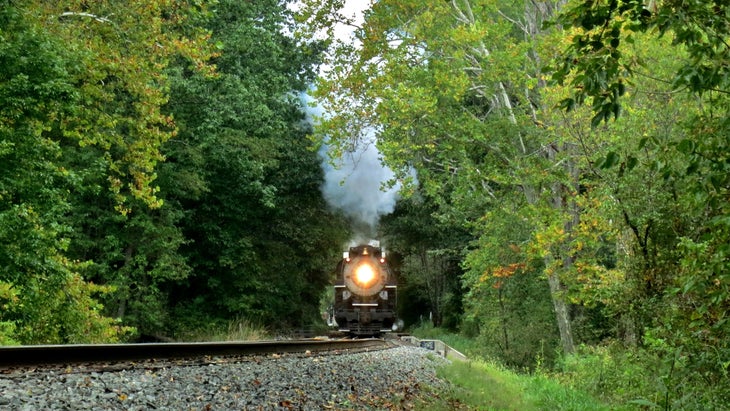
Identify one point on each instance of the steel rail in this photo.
(28, 355)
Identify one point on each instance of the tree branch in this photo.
(82, 14)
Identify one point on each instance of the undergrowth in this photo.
(484, 384)
(640, 379)
(607, 377)
(234, 330)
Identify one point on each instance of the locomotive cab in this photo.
(365, 292)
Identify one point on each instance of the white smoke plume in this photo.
(357, 185)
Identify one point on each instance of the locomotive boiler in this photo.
(365, 292)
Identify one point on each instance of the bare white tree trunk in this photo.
(561, 313)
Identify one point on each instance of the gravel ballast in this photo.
(366, 380)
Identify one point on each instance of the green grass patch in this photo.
(546, 393)
(483, 385)
(234, 330)
(480, 384)
(476, 386)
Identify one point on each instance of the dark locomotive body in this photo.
(365, 292)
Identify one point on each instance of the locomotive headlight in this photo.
(364, 274)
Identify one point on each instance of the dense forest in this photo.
(563, 167)
(156, 173)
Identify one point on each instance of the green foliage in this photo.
(244, 178)
(657, 378)
(547, 394)
(218, 209)
(614, 375)
(140, 183)
(425, 250)
(596, 377)
(116, 63)
(480, 383)
(8, 299)
(597, 67)
(45, 300)
(508, 301)
(670, 192)
(106, 144)
(454, 91)
(625, 219)
(65, 310)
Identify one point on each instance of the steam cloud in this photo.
(357, 185)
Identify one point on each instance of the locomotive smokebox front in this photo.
(365, 292)
(364, 274)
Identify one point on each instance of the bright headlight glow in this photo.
(364, 274)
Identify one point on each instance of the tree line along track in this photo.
(39, 355)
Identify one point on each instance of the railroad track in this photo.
(35, 355)
(266, 375)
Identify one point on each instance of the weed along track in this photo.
(305, 374)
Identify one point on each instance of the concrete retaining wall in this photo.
(437, 346)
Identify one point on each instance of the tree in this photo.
(113, 139)
(604, 28)
(426, 252)
(43, 295)
(97, 117)
(209, 199)
(244, 177)
(508, 298)
(119, 73)
(681, 241)
(456, 93)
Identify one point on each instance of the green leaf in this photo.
(567, 104)
(718, 181)
(692, 167)
(631, 162)
(615, 110)
(686, 146)
(611, 160)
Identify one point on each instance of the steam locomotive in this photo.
(365, 292)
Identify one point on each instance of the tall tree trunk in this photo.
(535, 14)
(562, 200)
(561, 310)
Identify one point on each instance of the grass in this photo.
(483, 385)
(480, 384)
(234, 330)
(475, 386)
